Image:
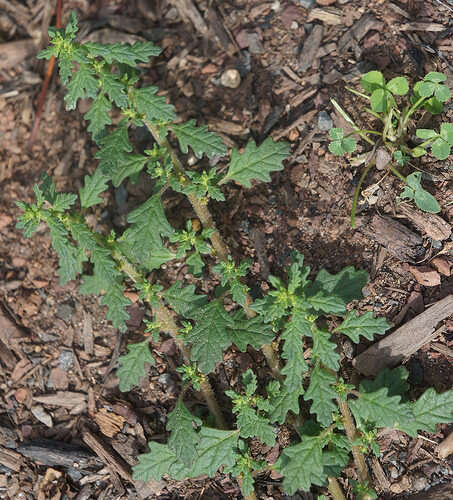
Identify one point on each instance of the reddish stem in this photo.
(45, 85)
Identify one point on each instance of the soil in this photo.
(60, 401)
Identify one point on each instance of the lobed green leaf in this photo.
(256, 162)
(199, 139)
(133, 365)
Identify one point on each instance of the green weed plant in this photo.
(395, 119)
(297, 324)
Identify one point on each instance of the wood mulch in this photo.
(247, 68)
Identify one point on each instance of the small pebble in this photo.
(255, 45)
(166, 380)
(436, 244)
(231, 78)
(64, 312)
(66, 360)
(307, 4)
(324, 121)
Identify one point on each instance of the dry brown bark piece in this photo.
(107, 455)
(422, 27)
(311, 47)
(66, 399)
(425, 275)
(358, 30)
(397, 239)
(430, 224)
(219, 30)
(404, 341)
(13, 53)
(11, 459)
(187, 10)
(440, 492)
(330, 16)
(442, 264)
(445, 448)
(59, 453)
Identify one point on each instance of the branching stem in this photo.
(351, 433)
(335, 489)
(218, 243)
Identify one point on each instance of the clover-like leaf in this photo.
(414, 191)
(372, 81)
(432, 85)
(339, 145)
(398, 85)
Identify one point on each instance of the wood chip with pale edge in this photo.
(330, 16)
(11, 459)
(430, 224)
(391, 350)
(40, 414)
(109, 423)
(442, 264)
(66, 399)
(445, 448)
(425, 275)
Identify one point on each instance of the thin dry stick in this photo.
(218, 243)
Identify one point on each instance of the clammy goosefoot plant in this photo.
(300, 318)
(393, 143)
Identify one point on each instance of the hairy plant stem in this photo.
(335, 489)
(351, 433)
(357, 192)
(165, 317)
(220, 247)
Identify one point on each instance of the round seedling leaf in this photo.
(336, 148)
(400, 158)
(407, 193)
(349, 144)
(372, 80)
(413, 180)
(434, 76)
(442, 93)
(425, 89)
(440, 149)
(398, 85)
(336, 134)
(425, 201)
(378, 101)
(425, 133)
(434, 106)
(417, 152)
(446, 132)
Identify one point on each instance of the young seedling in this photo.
(306, 317)
(394, 120)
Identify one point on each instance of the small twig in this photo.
(45, 85)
